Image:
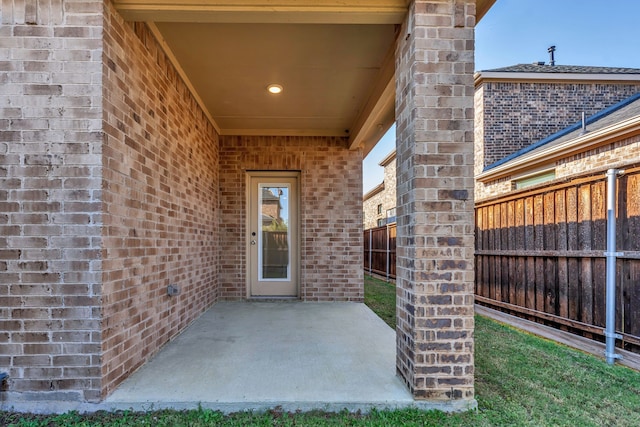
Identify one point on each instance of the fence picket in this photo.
(547, 244)
(381, 251)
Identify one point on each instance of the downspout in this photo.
(611, 254)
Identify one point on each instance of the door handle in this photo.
(253, 242)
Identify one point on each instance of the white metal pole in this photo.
(611, 254)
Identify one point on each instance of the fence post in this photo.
(370, 250)
(611, 254)
(386, 268)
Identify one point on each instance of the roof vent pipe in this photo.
(584, 124)
(552, 60)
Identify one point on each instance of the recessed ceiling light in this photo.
(274, 89)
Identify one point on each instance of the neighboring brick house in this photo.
(516, 107)
(136, 135)
(543, 199)
(525, 106)
(379, 204)
(611, 140)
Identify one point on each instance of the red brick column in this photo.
(434, 113)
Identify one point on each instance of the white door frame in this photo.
(252, 178)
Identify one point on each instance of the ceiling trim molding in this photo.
(380, 118)
(167, 50)
(482, 7)
(378, 114)
(284, 132)
(260, 11)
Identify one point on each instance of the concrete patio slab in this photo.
(241, 356)
(259, 355)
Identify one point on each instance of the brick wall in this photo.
(386, 198)
(50, 199)
(493, 188)
(97, 217)
(611, 155)
(614, 155)
(517, 114)
(478, 130)
(370, 208)
(160, 199)
(330, 212)
(435, 241)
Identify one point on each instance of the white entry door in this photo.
(272, 234)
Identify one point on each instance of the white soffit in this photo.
(333, 58)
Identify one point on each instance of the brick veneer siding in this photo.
(492, 188)
(613, 155)
(514, 115)
(478, 131)
(330, 212)
(386, 198)
(109, 189)
(435, 244)
(50, 199)
(160, 200)
(370, 207)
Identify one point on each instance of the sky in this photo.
(585, 32)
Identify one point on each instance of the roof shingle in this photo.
(576, 69)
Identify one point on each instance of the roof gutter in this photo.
(375, 190)
(582, 143)
(388, 158)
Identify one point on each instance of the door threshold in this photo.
(273, 299)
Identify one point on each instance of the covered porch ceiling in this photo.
(333, 59)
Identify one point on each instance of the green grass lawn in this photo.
(521, 380)
(380, 296)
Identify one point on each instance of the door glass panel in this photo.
(274, 261)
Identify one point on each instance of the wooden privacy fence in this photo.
(540, 255)
(380, 251)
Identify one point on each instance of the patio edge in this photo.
(16, 404)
